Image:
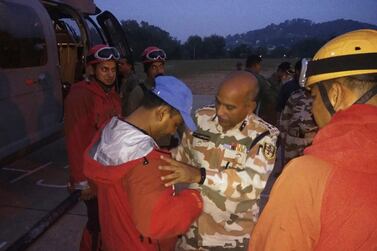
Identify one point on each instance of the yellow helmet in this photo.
(352, 53)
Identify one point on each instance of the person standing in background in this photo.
(297, 125)
(266, 100)
(287, 88)
(128, 81)
(90, 104)
(153, 59)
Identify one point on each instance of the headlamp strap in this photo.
(325, 98)
(364, 61)
(368, 95)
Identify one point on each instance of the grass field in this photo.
(204, 76)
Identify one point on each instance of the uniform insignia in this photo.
(236, 147)
(269, 151)
(227, 146)
(201, 136)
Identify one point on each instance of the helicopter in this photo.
(43, 44)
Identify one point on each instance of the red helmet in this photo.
(100, 53)
(153, 54)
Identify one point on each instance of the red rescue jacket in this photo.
(349, 204)
(86, 108)
(327, 199)
(137, 212)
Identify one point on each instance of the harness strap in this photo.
(366, 96)
(325, 98)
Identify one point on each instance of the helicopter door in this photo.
(30, 93)
(114, 33)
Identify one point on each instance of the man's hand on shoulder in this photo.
(178, 172)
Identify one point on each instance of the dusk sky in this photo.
(182, 18)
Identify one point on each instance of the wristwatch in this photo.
(202, 175)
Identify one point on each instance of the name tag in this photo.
(196, 142)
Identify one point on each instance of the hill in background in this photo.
(292, 38)
(292, 31)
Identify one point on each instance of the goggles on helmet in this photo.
(156, 55)
(103, 54)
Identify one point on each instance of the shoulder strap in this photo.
(258, 138)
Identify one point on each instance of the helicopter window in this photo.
(73, 28)
(94, 33)
(22, 42)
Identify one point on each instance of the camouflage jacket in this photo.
(238, 166)
(297, 125)
(266, 100)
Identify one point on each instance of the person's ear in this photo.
(89, 70)
(333, 94)
(336, 95)
(162, 112)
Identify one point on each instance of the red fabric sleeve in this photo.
(155, 211)
(78, 130)
(173, 215)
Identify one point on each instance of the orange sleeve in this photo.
(291, 218)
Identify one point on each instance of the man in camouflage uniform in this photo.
(267, 96)
(297, 124)
(237, 151)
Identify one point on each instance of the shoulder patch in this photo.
(269, 151)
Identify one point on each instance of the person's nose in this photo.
(161, 70)
(220, 111)
(111, 74)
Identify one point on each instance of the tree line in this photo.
(140, 35)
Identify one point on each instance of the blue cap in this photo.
(174, 92)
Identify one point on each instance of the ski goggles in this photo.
(103, 54)
(157, 55)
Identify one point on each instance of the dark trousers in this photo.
(93, 225)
